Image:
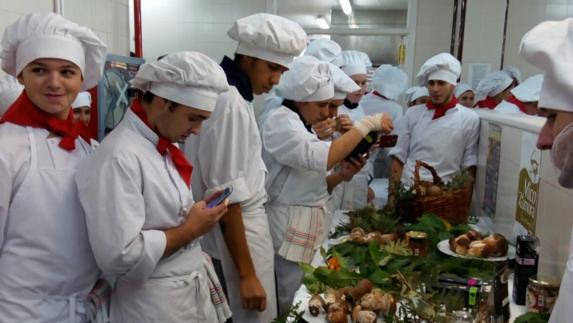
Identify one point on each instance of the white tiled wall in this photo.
(554, 220)
(483, 34)
(433, 30)
(107, 18)
(198, 25)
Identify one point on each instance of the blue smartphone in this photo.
(218, 197)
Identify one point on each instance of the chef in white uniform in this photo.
(47, 267)
(442, 132)
(228, 153)
(546, 46)
(298, 162)
(465, 95)
(355, 64)
(82, 107)
(143, 223)
(417, 95)
(493, 89)
(10, 90)
(523, 98)
(388, 83)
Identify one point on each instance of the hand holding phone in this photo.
(218, 197)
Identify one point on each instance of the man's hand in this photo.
(253, 294)
(344, 123)
(324, 129)
(350, 168)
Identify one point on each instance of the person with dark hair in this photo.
(227, 153)
(143, 223)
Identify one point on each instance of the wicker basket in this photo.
(452, 206)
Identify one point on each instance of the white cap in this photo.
(547, 46)
(269, 37)
(528, 90)
(513, 72)
(52, 36)
(416, 92)
(390, 81)
(355, 62)
(10, 90)
(462, 88)
(492, 84)
(84, 99)
(308, 80)
(325, 50)
(443, 67)
(188, 78)
(343, 84)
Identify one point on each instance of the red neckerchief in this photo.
(488, 102)
(24, 112)
(163, 146)
(514, 100)
(379, 94)
(440, 110)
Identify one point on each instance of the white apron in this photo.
(259, 241)
(563, 310)
(47, 267)
(177, 291)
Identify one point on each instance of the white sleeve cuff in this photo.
(154, 243)
(241, 191)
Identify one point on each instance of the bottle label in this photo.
(525, 261)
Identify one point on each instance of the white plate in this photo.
(444, 247)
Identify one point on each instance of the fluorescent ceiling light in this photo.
(322, 23)
(346, 7)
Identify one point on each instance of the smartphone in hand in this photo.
(218, 197)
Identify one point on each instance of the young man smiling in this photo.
(228, 153)
(442, 132)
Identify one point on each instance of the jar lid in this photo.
(544, 281)
(417, 234)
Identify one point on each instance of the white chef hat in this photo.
(188, 78)
(548, 47)
(528, 90)
(417, 92)
(343, 84)
(443, 67)
(10, 90)
(84, 99)
(52, 36)
(513, 72)
(461, 88)
(269, 37)
(355, 62)
(493, 84)
(325, 50)
(308, 80)
(390, 81)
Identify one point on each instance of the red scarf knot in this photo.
(488, 103)
(517, 102)
(24, 112)
(164, 146)
(440, 110)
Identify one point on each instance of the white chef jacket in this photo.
(296, 160)
(449, 143)
(227, 152)
(49, 275)
(372, 104)
(130, 194)
(507, 107)
(563, 311)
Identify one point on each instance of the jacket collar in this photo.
(238, 78)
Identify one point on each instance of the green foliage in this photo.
(293, 315)
(533, 318)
